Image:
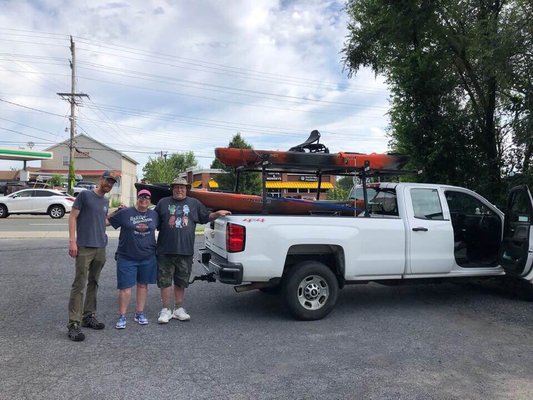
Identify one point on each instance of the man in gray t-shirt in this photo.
(87, 242)
(178, 216)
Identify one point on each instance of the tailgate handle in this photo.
(420, 229)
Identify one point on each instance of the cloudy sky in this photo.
(180, 75)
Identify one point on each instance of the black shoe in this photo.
(91, 322)
(75, 334)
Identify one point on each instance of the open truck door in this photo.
(517, 245)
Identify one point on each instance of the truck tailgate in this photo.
(215, 236)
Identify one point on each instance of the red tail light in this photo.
(235, 238)
(73, 199)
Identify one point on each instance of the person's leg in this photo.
(181, 281)
(78, 286)
(142, 292)
(95, 268)
(181, 278)
(146, 273)
(179, 296)
(126, 279)
(124, 297)
(165, 271)
(166, 296)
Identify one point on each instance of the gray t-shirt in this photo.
(90, 225)
(177, 223)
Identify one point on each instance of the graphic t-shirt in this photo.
(90, 224)
(137, 232)
(178, 219)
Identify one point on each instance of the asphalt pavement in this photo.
(448, 341)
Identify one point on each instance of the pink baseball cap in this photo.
(144, 192)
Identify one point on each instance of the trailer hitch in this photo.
(207, 277)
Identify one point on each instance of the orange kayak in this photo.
(251, 204)
(233, 157)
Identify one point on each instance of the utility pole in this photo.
(162, 154)
(71, 98)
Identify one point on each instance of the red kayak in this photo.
(251, 204)
(233, 157)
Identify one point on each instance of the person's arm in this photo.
(112, 215)
(216, 214)
(72, 220)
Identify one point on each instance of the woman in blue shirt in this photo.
(136, 261)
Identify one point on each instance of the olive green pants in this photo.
(89, 264)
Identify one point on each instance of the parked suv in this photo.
(85, 184)
(36, 201)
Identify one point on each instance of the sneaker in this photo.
(74, 333)
(181, 314)
(140, 318)
(121, 323)
(91, 322)
(164, 316)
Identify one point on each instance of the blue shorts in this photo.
(131, 272)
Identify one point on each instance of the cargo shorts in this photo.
(175, 269)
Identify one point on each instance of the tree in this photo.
(249, 182)
(452, 68)
(342, 188)
(164, 170)
(56, 180)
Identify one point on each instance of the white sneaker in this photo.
(181, 314)
(164, 316)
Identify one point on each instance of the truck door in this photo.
(517, 245)
(429, 233)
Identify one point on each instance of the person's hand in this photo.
(73, 248)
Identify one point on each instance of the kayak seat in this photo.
(310, 146)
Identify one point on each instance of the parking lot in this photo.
(442, 341)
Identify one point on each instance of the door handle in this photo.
(420, 229)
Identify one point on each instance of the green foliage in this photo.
(115, 203)
(338, 193)
(345, 183)
(249, 182)
(459, 75)
(71, 177)
(56, 180)
(164, 170)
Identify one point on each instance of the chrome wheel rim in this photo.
(55, 212)
(313, 292)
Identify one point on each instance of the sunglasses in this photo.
(144, 197)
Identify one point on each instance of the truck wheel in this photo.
(310, 290)
(3, 211)
(56, 211)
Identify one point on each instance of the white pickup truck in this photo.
(408, 231)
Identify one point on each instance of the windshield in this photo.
(357, 193)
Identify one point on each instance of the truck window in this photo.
(384, 203)
(520, 210)
(426, 204)
(476, 230)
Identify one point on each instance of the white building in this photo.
(91, 159)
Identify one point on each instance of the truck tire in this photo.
(310, 290)
(56, 211)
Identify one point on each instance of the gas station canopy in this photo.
(24, 155)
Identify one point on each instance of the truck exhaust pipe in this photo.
(252, 286)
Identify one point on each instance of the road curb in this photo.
(56, 235)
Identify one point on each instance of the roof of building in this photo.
(66, 142)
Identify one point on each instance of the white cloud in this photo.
(187, 75)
